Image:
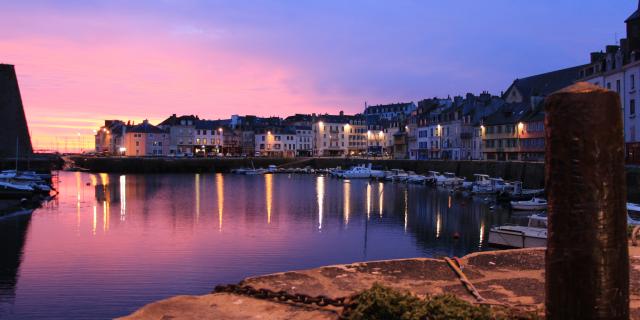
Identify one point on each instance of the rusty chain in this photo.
(346, 303)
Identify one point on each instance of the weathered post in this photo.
(587, 259)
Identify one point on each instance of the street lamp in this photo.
(520, 127)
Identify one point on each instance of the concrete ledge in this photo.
(511, 276)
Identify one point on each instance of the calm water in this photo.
(111, 243)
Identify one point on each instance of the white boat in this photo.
(14, 190)
(396, 175)
(533, 204)
(23, 175)
(251, 172)
(433, 176)
(362, 172)
(272, 168)
(416, 179)
(532, 236)
(449, 179)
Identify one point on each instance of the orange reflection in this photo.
(481, 235)
(105, 216)
(95, 220)
(220, 191)
(368, 200)
(268, 181)
(380, 196)
(347, 200)
(123, 197)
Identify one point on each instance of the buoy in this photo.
(88, 183)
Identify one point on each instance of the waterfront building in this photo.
(618, 69)
(277, 141)
(182, 134)
(516, 130)
(146, 139)
(304, 141)
(401, 145)
(428, 128)
(109, 138)
(500, 137)
(390, 129)
(208, 138)
(406, 141)
(339, 135)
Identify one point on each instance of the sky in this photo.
(82, 61)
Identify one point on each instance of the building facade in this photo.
(146, 140)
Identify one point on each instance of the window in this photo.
(632, 107)
(618, 86)
(633, 81)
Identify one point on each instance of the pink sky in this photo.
(117, 69)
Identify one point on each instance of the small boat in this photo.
(14, 190)
(516, 193)
(417, 179)
(433, 176)
(533, 204)
(531, 236)
(362, 172)
(272, 169)
(396, 175)
(252, 172)
(449, 179)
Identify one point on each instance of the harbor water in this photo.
(109, 244)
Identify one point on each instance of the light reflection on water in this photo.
(112, 243)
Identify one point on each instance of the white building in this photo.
(618, 69)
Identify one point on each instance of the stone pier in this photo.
(512, 277)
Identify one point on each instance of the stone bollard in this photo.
(587, 258)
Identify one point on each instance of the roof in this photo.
(545, 83)
(175, 120)
(211, 124)
(635, 15)
(145, 127)
(508, 114)
(394, 107)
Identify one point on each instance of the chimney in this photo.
(341, 113)
(596, 56)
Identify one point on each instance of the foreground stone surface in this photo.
(513, 277)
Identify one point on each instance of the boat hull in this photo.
(528, 207)
(506, 238)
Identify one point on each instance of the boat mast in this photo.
(17, 145)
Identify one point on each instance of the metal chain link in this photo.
(346, 303)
